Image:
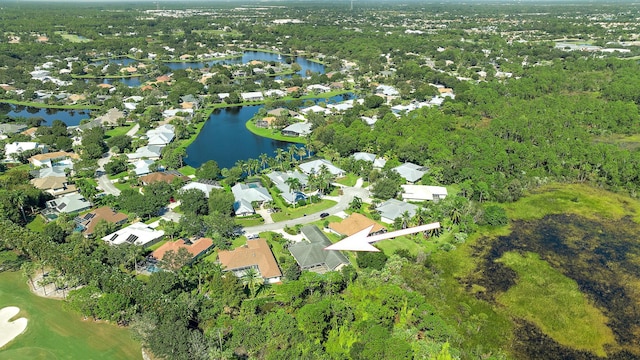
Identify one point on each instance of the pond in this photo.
(54, 332)
(248, 56)
(600, 256)
(225, 138)
(69, 117)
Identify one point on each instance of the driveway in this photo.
(107, 186)
(343, 203)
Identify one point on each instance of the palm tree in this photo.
(294, 184)
(29, 270)
(292, 150)
(301, 152)
(254, 165)
(252, 280)
(280, 156)
(456, 216)
(419, 218)
(263, 160)
(356, 204)
(324, 178)
(406, 218)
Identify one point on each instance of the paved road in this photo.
(348, 194)
(107, 186)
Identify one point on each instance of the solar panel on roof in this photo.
(62, 206)
(131, 239)
(113, 237)
(89, 216)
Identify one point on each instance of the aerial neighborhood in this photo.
(181, 172)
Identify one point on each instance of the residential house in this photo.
(151, 152)
(297, 129)
(137, 233)
(202, 186)
(318, 88)
(387, 90)
(59, 171)
(9, 129)
(246, 194)
(30, 132)
(423, 193)
(70, 203)
(279, 179)
(411, 172)
(266, 122)
(54, 185)
(252, 96)
(314, 166)
(281, 112)
(89, 220)
(392, 209)
(111, 118)
(195, 247)
(311, 255)
(315, 109)
(354, 223)
(164, 176)
(142, 167)
(12, 150)
(378, 162)
(257, 255)
(275, 93)
(162, 135)
(57, 158)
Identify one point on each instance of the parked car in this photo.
(324, 215)
(252, 236)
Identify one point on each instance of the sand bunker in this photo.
(10, 329)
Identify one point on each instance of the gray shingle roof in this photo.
(312, 253)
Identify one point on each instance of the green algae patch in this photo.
(554, 303)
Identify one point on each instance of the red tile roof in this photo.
(196, 248)
(255, 253)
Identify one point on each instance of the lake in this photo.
(250, 56)
(225, 138)
(54, 332)
(69, 117)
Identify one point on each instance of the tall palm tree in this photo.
(301, 152)
(263, 160)
(280, 156)
(292, 150)
(252, 280)
(294, 184)
(254, 165)
(406, 218)
(419, 218)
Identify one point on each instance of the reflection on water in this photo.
(69, 117)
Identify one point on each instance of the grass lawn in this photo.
(554, 303)
(272, 134)
(349, 180)
(250, 221)
(187, 170)
(157, 245)
(53, 332)
(49, 106)
(37, 224)
(291, 213)
(118, 176)
(120, 130)
(122, 186)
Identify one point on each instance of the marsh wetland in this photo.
(570, 281)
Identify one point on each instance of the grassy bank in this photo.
(54, 332)
(272, 134)
(49, 106)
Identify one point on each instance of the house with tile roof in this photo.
(54, 185)
(195, 247)
(164, 176)
(89, 220)
(256, 254)
(354, 223)
(311, 255)
(70, 203)
(52, 159)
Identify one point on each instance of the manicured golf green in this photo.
(54, 332)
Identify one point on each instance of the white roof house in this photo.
(252, 96)
(392, 209)
(297, 129)
(142, 167)
(279, 179)
(245, 194)
(205, 188)
(387, 90)
(313, 167)
(318, 88)
(15, 148)
(411, 172)
(315, 109)
(148, 151)
(378, 162)
(423, 192)
(162, 135)
(137, 234)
